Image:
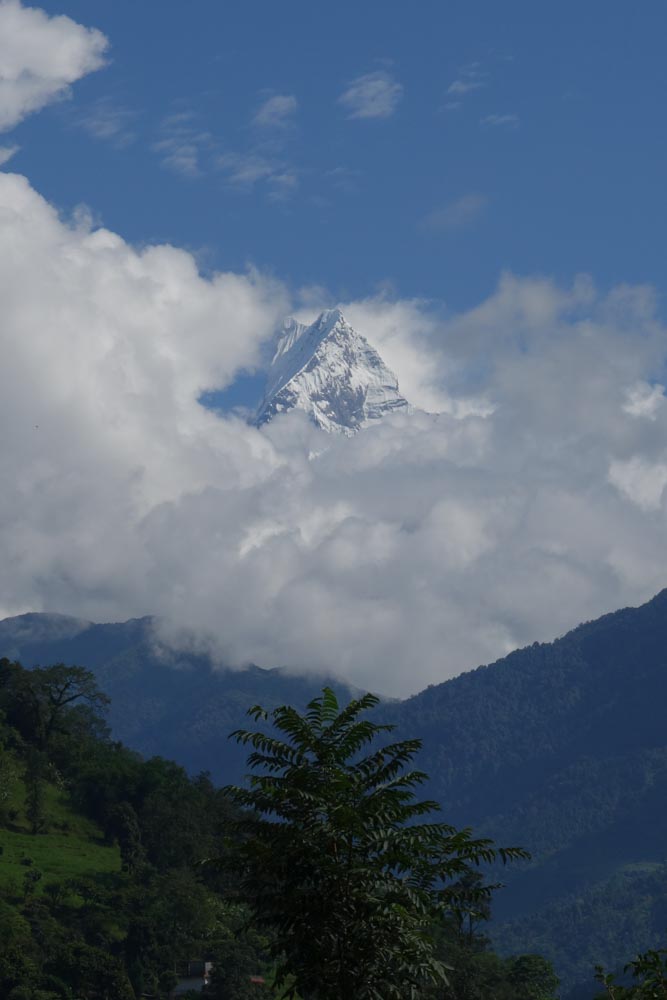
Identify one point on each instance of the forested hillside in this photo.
(179, 705)
(117, 873)
(564, 746)
(102, 890)
(561, 747)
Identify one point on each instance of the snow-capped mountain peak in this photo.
(330, 371)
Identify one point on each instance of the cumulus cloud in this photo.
(644, 400)
(40, 56)
(421, 547)
(373, 95)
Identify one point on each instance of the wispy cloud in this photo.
(107, 121)
(246, 170)
(344, 178)
(6, 153)
(182, 143)
(470, 78)
(506, 121)
(374, 95)
(464, 86)
(276, 112)
(282, 184)
(456, 215)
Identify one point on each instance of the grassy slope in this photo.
(71, 846)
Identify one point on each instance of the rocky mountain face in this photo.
(332, 373)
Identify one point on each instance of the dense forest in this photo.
(563, 747)
(105, 889)
(102, 893)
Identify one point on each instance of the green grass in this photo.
(70, 847)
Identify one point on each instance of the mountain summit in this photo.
(332, 372)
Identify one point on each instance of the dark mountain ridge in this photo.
(180, 706)
(562, 747)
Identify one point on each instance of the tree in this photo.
(334, 858)
(35, 772)
(532, 978)
(8, 775)
(50, 701)
(650, 971)
(123, 825)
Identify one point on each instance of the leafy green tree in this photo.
(8, 775)
(35, 771)
(232, 972)
(123, 825)
(48, 702)
(18, 952)
(650, 971)
(532, 978)
(240, 955)
(335, 859)
(477, 973)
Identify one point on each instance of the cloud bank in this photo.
(423, 546)
(40, 56)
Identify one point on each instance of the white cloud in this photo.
(641, 480)
(508, 121)
(245, 170)
(40, 56)
(460, 87)
(644, 400)
(182, 144)
(405, 333)
(374, 95)
(456, 215)
(276, 111)
(421, 547)
(470, 78)
(105, 120)
(345, 179)
(6, 153)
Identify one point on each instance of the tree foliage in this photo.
(339, 859)
(650, 972)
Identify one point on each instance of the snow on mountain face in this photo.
(332, 372)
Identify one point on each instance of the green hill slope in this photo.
(70, 847)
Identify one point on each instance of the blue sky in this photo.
(547, 157)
